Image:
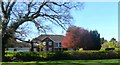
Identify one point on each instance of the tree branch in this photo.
(10, 8)
(23, 40)
(3, 10)
(7, 5)
(51, 9)
(36, 14)
(54, 20)
(29, 5)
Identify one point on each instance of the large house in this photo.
(50, 42)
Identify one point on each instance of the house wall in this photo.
(51, 45)
(58, 47)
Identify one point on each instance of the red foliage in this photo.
(68, 40)
(76, 37)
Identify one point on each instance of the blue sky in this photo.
(100, 16)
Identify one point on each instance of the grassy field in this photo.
(68, 62)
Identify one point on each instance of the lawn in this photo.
(68, 62)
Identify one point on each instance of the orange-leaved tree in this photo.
(77, 37)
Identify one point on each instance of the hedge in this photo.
(61, 55)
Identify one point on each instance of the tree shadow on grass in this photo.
(48, 63)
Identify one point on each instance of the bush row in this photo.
(61, 55)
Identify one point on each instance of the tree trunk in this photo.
(3, 53)
(32, 48)
(4, 41)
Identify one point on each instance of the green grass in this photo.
(68, 62)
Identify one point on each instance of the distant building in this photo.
(50, 42)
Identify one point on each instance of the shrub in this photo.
(29, 56)
(61, 55)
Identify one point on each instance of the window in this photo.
(55, 45)
(50, 43)
(60, 45)
(49, 49)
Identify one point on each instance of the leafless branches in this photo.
(15, 14)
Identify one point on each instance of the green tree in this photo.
(113, 40)
(110, 44)
(15, 14)
(113, 43)
(96, 39)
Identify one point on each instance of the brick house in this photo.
(50, 42)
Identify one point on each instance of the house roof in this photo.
(55, 38)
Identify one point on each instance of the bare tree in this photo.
(14, 14)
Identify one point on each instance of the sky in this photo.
(100, 16)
